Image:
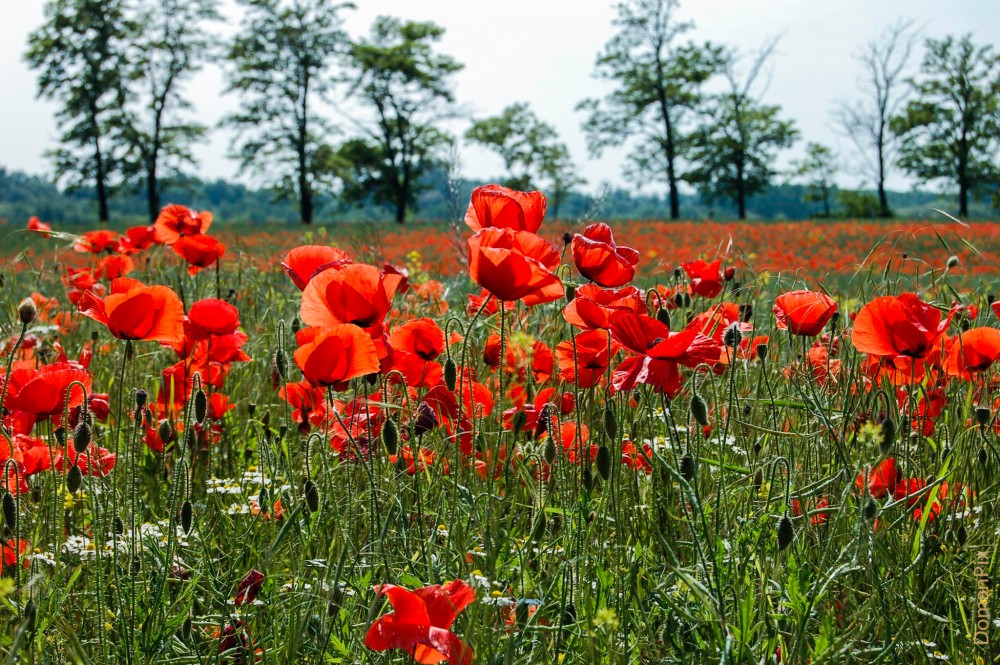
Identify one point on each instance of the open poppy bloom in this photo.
(199, 251)
(42, 391)
(38, 226)
(421, 623)
(249, 587)
(136, 311)
(973, 351)
(212, 316)
(514, 265)
(95, 242)
(600, 260)
(140, 238)
(659, 352)
(502, 207)
(804, 313)
(591, 359)
(303, 263)
(706, 278)
(333, 356)
(880, 481)
(355, 293)
(415, 347)
(899, 326)
(592, 307)
(177, 221)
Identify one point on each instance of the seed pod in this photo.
(81, 437)
(200, 406)
(311, 493)
(603, 462)
(118, 525)
(588, 479)
(390, 436)
(786, 533)
(663, 316)
(538, 529)
(982, 416)
(888, 428)
(699, 410)
(187, 517)
(9, 511)
(74, 479)
(550, 451)
(27, 311)
(610, 423)
(963, 535)
(450, 374)
(687, 468)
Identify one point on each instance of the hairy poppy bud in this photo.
(663, 316)
(963, 535)
(74, 479)
(603, 462)
(952, 262)
(982, 416)
(786, 533)
(732, 336)
(141, 397)
(81, 437)
(610, 423)
(251, 409)
(118, 525)
(426, 419)
(187, 517)
(450, 374)
(888, 430)
(588, 479)
(762, 352)
(311, 493)
(165, 431)
(871, 509)
(296, 325)
(27, 311)
(687, 468)
(679, 299)
(570, 293)
(390, 436)
(9, 510)
(200, 406)
(550, 451)
(281, 364)
(699, 410)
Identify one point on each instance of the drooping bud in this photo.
(570, 293)
(610, 423)
(550, 451)
(663, 316)
(200, 406)
(983, 416)
(888, 429)
(786, 533)
(165, 431)
(520, 417)
(74, 478)
(26, 311)
(450, 374)
(390, 436)
(603, 462)
(141, 397)
(81, 437)
(687, 468)
(187, 516)
(9, 511)
(281, 364)
(311, 494)
(699, 410)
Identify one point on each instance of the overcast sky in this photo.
(542, 52)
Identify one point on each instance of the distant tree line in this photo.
(326, 118)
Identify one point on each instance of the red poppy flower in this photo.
(249, 587)
(42, 391)
(38, 226)
(415, 346)
(115, 266)
(212, 316)
(973, 351)
(390, 269)
(706, 278)
(592, 306)
(303, 263)
(136, 311)
(880, 481)
(355, 293)
(14, 551)
(591, 361)
(660, 352)
(176, 221)
(896, 326)
(333, 356)
(804, 313)
(421, 621)
(141, 238)
(600, 260)
(97, 462)
(199, 251)
(514, 265)
(501, 207)
(95, 242)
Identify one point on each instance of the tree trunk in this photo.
(102, 187)
(963, 198)
(400, 208)
(883, 199)
(741, 196)
(152, 191)
(306, 203)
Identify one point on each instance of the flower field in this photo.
(518, 440)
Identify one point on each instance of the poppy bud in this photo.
(964, 325)
(663, 316)
(610, 423)
(187, 517)
(520, 417)
(200, 406)
(401, 464)
(679, 299)
(699, 410)
(74, 479)
(282, 430)
(450, 374)
(141, 396)
(570, 293)
(61, 436)
(29, 616)
(990, 298)
(266, 420)
(567, 237)
(81, 437)
(569, 614)
(165, 431)
(390, 436)
(603, 462)
(888, 429)
(983, 456)
(118, 525)
(982, 416)
(871, 509)
(550, 451)
(687, 468)
(9, 510)
(677, 273)
(280, 364)
(762, 352)
(952, 262)
(786, 533)
(27, 311)
(296, 325)
(732, 336)
(311, 493)
(522, 612)
(729, 273)
(588, 479)
(426, 419)
(963, 535)
(251, 409)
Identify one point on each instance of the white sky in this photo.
(542, 52)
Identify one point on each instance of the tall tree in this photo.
(407, 87)
(658, 85)
(866, 121)
(281, 67)
(80, 53)
(531, 151)
(817, 169)
(172, 46)
(951, 128)
(733, 153)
